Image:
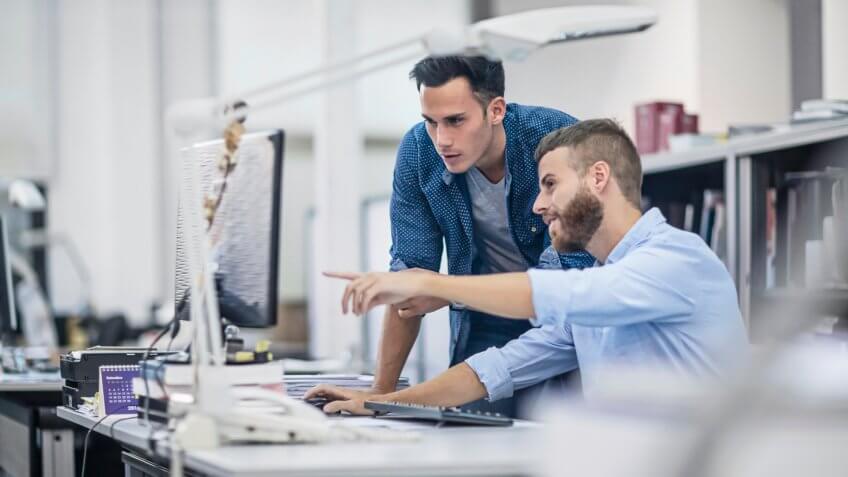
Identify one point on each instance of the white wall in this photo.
(104, 189)
(187, 58)
(375, 180)
(834, 51)
(726, 60)
(744, 69)
(262, 41)
(26, 83)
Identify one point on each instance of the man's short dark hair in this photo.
(600, 140)
(486, 77)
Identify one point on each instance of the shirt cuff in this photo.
(397, 265)
(492, 370)
(551, 299)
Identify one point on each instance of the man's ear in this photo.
(496, 110)
(600, 176)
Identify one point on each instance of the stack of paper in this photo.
(817, 109)
(297, 385)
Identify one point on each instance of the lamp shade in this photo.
(514, 37)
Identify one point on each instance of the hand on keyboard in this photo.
(341, 399)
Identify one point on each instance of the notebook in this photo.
(116, 390)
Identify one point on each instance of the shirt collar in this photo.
(641, 230)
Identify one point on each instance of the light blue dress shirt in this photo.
(662, 298)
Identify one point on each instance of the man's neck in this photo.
(493, 162)
(613, 228)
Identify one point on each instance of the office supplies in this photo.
(296, 386)
(116, 390)
(440, 414)
(81, 369)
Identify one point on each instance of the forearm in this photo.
(397, 338)
(456, 386)
(505, 294)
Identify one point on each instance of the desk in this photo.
(28, 423)
(446, 451)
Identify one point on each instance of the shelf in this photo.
(669, 161)
(782, 137)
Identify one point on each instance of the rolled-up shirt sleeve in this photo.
(397, 265)
(535, 356)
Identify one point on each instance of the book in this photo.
(670, 124)
(718, 239)
(708, 212)
(817, 115)
(676, 214)
(689, 218)
(689, 123)
(116, 390)
(839, 105)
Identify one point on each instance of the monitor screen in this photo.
(8, 317)
(244, 236)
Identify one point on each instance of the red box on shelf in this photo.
(671, 122)
(648, 126)
(690, 123)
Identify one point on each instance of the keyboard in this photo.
(439, 414)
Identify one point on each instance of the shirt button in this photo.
(532, 229)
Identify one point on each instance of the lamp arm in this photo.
(187, 116)
(332, 67)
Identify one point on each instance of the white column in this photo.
(835, 59)
(187, 51)
(338, 150)
(104, 189)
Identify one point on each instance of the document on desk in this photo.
(297, 385)
(30, 377)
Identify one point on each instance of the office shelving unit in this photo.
(745, 168)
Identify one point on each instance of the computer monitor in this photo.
(244, 236)
(8, 316)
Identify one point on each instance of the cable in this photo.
(146, 403)
(112, 426)
(144, 373)
(88, 435)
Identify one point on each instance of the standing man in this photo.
(466, 177)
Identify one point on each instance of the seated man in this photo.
(657, 296)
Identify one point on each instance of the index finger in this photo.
(342, 275)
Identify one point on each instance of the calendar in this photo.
(116, 390)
